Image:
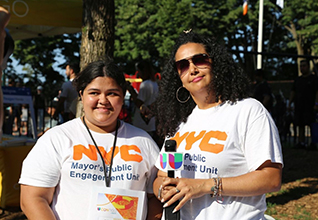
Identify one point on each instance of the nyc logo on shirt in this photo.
(204, 138)
(126, 152)
(94, 172)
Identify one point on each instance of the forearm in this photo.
(291, 98)
(154, 208)
(35, 202)
(37, 209)
(254, 183)
(263, 180)
(134, 95)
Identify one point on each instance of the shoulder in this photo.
(147, 83)
(131, 130)
(66, 129)
(313, 77)
(248, 103)
(249, 106)
(67, 84)
(136, 135)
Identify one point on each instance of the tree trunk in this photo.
(97, 33)
(298, 41)
(98, 30)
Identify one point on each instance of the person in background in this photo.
(143, 100)
(24, 128)
(68, 93)
(50, 185)
(231, 147)
(39, 108)
(262, 90)
(304, 95)
(50, 109)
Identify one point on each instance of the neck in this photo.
(206, 105)
(205, 99)
(100, 129)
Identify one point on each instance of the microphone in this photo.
(171, 146)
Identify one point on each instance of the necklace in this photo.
(107, 178)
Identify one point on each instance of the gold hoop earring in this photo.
(177, 95)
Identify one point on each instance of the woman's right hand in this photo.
(170, 190)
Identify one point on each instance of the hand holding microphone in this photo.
(171, 161)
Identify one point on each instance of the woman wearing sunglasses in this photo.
(231, 149)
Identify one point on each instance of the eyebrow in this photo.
(109, 90)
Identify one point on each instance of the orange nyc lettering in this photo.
(91, 153)
(204, 138)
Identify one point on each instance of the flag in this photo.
(245, 6)
(280, 3)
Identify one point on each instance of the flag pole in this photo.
(260, 34)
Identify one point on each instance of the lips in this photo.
(197, 79)
(103, 109)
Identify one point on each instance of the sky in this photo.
(19, 68)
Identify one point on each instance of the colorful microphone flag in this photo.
(245, 7)
(163, 160)
(171, 160)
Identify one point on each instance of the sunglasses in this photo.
(201, 61)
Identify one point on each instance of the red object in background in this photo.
(158, 76)
(125, 115)
(136, 84)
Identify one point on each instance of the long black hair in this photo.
(229, 83)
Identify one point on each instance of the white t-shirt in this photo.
(226, 141)
(65, 157)
(148, 93)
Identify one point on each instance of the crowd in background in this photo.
(17, 116)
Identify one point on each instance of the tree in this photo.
(300, 18)
(38, 57)
(98, 30)
(147, 29)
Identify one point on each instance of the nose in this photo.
(103, 99)
(193, 69)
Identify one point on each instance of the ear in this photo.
(81, 93)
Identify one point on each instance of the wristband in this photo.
(217, 189)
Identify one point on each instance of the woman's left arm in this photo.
(154, 208)
(267, 178)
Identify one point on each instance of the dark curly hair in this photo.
(229, 83)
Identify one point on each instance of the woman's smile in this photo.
(102, 100)
(197, 79)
